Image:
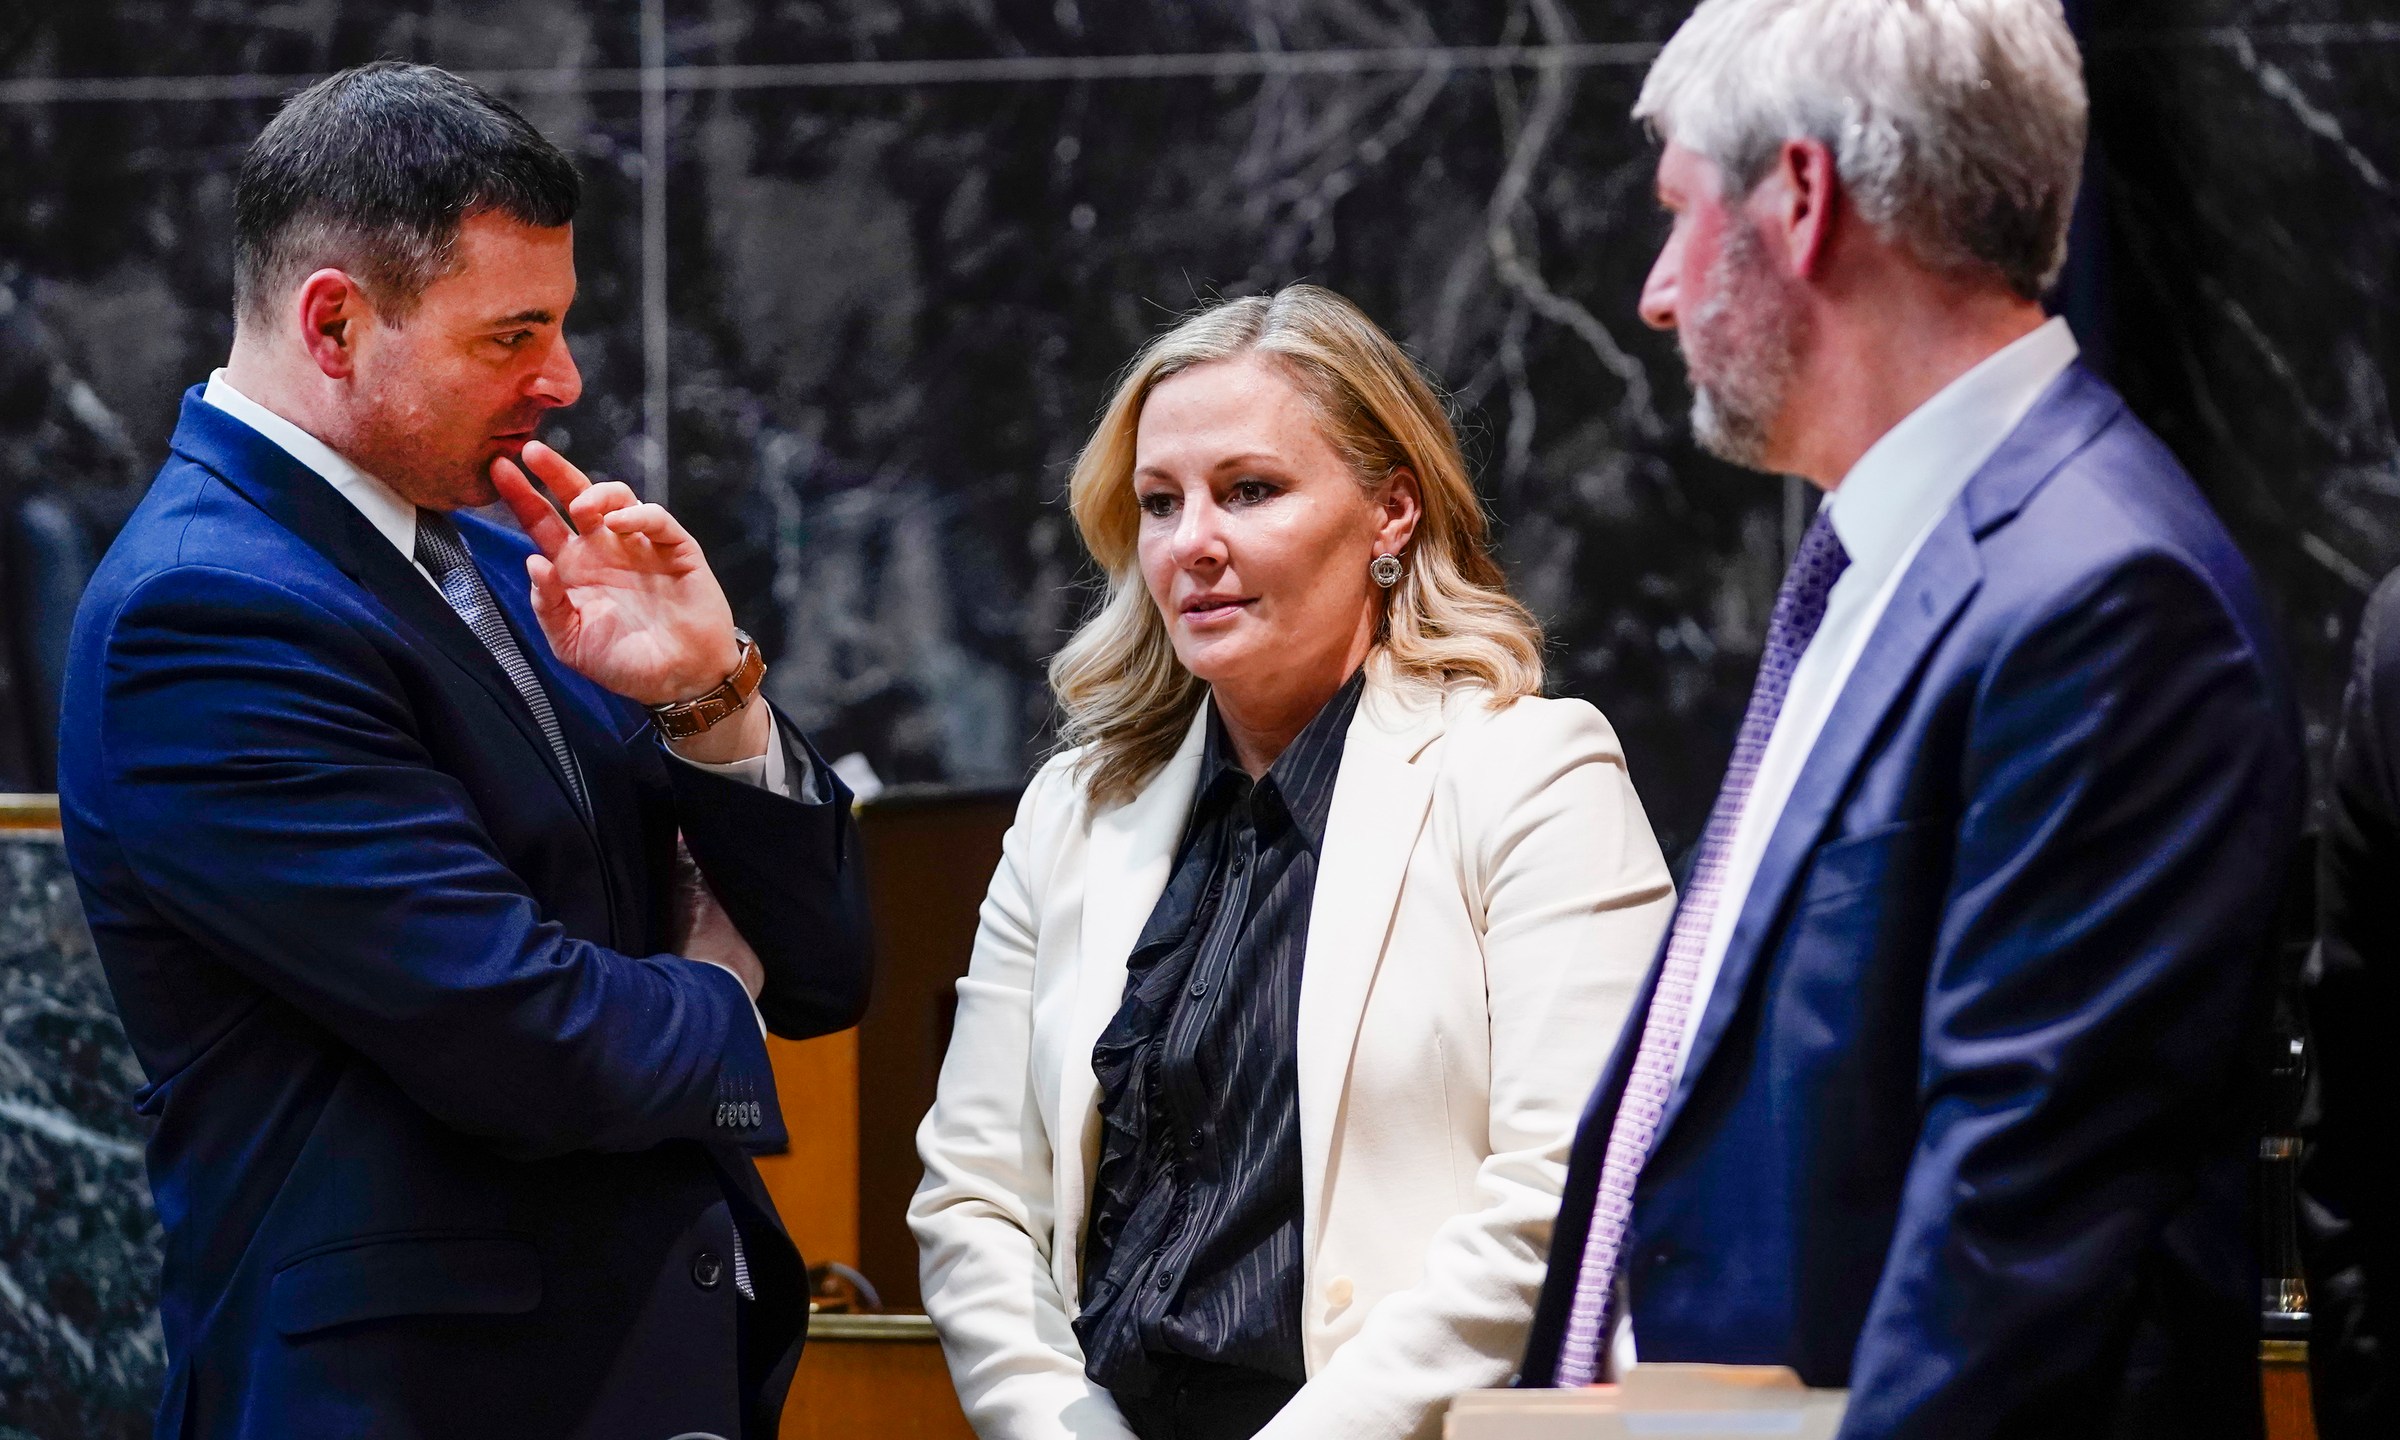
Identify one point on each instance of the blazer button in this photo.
(1339, 1291)
(707, 1270)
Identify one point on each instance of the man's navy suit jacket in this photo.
(446, 1146)
(1967, 1122)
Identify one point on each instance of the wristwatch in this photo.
(686, 718)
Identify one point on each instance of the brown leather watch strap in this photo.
(687, 718)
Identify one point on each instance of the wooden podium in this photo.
(879, 1375)
(843, 1187)
(1697, 1402)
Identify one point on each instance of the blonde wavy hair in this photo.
(1450, 621)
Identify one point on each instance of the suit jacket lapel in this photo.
(504, 576)
(616, 809)
(1944, 575)
(591, 723)
(1380, 800)
(1945, 572)
(574, 702)
(1127, 861)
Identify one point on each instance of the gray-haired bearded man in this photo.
(1940, 1089)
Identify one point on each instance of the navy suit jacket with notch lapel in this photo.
(445, 1143)
(1967, 1121)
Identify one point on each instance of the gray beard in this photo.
(1728, 428)
(1740, 350)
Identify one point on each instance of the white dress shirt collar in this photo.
(393, 517)
(1907, 478)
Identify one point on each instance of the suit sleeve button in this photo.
(707, 1270)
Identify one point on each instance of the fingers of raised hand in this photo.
(651, 521)
(555, 471)
(599, 501)
(549, 592)
(533, 511)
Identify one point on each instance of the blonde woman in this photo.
(1298, 966)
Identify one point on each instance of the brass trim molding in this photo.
(916, 1328)
(2273, 1352)
(28, 812)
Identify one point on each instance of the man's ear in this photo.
(332, 312)
(1799, 198)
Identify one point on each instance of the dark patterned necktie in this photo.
(1799, 610)
(444, 555)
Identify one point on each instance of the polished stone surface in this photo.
(902, 270)
(80, 1352)
(2251, 180)
(895, 308)
(896, 297)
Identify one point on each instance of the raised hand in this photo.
(624, 594)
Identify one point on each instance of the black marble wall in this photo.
(80, 1351)
(906, 243)
(2249, 175)
(897, 289)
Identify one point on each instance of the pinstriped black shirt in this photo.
(1194, 1245)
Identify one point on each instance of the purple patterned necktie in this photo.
(1799, 609)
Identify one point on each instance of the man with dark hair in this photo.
(454, 1052)
(296, 204)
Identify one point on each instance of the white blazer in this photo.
(1488, 899)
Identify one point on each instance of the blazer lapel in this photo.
(574, 702)
(1380, 800)
(504, 576)
(592, 726)
(1945, 572)
(1944, 576)
(1126, 864)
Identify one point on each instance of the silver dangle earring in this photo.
(1386, 570)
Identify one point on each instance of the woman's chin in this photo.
(1216, 656)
